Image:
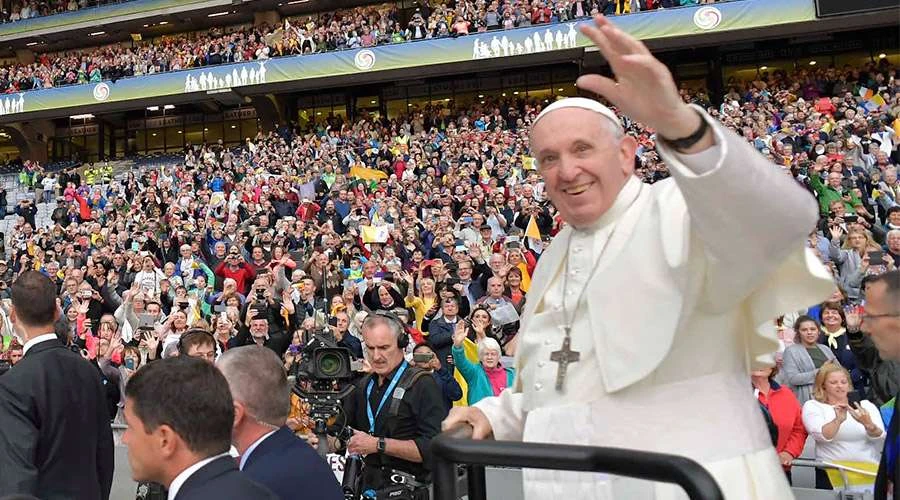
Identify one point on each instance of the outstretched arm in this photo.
(767, 211)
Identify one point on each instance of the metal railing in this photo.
(455, 446)
(842, 469)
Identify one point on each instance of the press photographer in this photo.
(395, 412)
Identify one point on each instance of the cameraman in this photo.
(393, 428)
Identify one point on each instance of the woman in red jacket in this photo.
(786, 413)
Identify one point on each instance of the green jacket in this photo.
(476, 378)
(828, 195)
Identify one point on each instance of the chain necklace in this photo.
(565, 354)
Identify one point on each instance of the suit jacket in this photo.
(891, 449)
(292, 469)
(440, 335)
(221, 480)
(56, 441)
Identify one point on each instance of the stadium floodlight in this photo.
(169, 106)
(294, 2)
(31, 44)
(152, 108)
(97, 33)
(812, 63)
(882, 55)
(163, 23)
(86, 116)
(763, 68)
(217, 14)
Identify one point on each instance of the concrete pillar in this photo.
(24, 56)
(271, 111)
(31, 138)
(270, 17)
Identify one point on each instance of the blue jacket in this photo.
(221, 479)
(292, 469)
(450, 389)
(479, 385)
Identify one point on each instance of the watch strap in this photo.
(381, 445)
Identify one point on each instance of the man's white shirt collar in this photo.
(180, 479)
(37, 340)
(252, 447)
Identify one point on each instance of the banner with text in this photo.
(726, 16)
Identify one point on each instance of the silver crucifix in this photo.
(564, 356)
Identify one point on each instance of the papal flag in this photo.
(369, 174)
(534, 236)
(374, 234)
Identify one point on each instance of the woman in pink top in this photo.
(460, 26)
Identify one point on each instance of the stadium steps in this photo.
(15, 192)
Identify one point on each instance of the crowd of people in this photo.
(29, 9)
(438, 218)
(364, 26)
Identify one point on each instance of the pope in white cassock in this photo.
(649, 310)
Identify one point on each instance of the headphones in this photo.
(193, 332)
(403, 338)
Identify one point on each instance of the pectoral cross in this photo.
(564, 356)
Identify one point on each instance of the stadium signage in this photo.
(680, 22)
(97, 16)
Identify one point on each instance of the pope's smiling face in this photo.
(584, 162)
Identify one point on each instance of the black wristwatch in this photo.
(380, 445)
(686, 142)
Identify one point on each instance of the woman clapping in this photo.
(844, 431)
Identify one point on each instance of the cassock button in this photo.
(576, 249)
(541, 364)
(557, 308)
(547, 341)
(538, 386)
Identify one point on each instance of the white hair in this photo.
(892, 233)
(487, 344)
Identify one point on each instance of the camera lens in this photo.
(331, 364)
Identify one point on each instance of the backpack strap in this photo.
(409, 378)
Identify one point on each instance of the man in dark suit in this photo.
(56, 441)
(179, 413)
(881, 321)
(270, 453)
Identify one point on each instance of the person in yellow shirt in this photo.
(424, 301)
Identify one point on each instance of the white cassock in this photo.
(676, 315)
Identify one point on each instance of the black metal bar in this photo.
(476, 482)
(449, 449)
(443, 474)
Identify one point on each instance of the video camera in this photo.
(322, 376)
